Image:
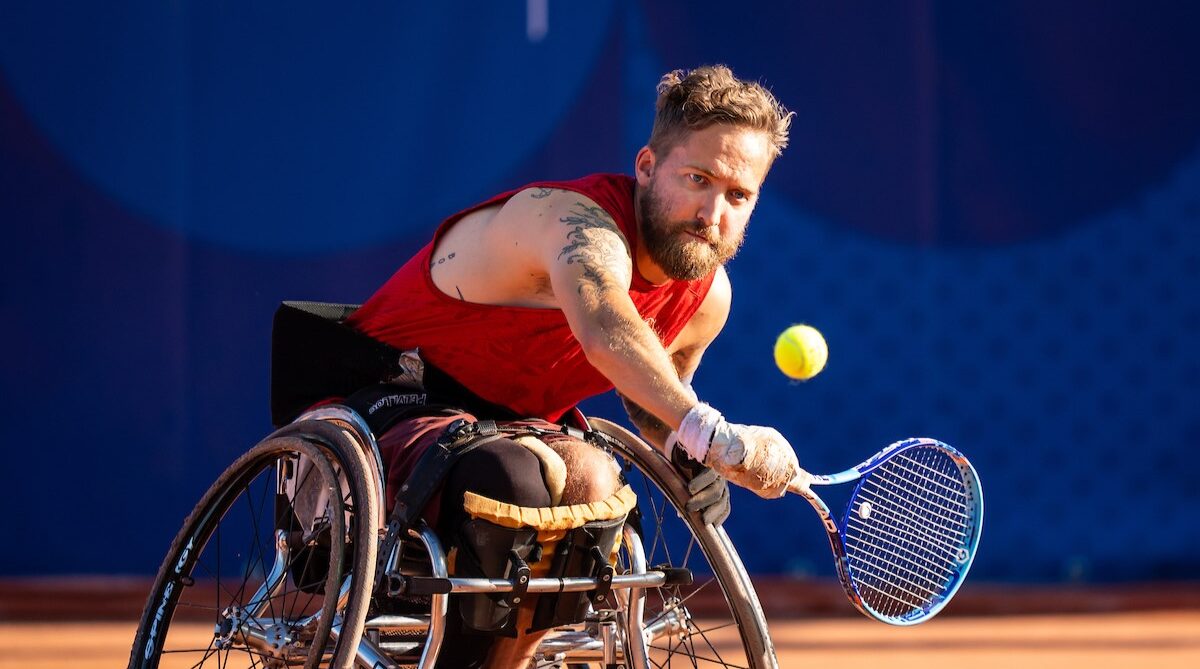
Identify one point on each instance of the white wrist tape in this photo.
(696, 430)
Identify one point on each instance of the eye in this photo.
(739, 195)
(698, 179)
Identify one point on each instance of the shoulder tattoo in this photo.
(598, 255)
(433, 262)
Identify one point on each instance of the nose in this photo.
(712, 211)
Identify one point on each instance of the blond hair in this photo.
(693, 100)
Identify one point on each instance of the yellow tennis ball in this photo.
(800, 352)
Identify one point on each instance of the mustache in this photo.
(700, 229)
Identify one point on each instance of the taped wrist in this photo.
(697, 429)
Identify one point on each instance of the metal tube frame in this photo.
(577, 645)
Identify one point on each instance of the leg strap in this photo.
(486, 550)
(460, 437)
(506, 541)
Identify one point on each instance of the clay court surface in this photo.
(1092, 641)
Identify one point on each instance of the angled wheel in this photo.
(716, 621)
(260, 574)
(362, 496)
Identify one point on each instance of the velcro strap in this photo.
(459, 438)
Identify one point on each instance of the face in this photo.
(694, 202)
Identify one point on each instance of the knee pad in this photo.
(554, 469)
(500, 539)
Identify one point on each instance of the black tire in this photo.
(207, 573)
(192, 582)
(722, 619)
(360, 498)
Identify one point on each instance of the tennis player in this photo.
(540, 297)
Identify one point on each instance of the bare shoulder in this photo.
(558, 211)
(715, 306)
(508, 254)
(578, 242)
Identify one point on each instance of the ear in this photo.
(643, 165)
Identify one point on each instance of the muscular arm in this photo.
(686, 353)
(590, 272)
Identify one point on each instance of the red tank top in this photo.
(522, 358)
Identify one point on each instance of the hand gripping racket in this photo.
(910, 530)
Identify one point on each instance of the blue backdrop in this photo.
(990, 209)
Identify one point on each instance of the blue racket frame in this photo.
(836, 531)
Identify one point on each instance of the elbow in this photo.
(610, 338)
(599, 347)
(608, 342)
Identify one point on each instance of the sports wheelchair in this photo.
(287, 561)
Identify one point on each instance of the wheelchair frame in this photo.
(348, 630)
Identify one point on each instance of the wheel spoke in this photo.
(226, 544)
(678, 538)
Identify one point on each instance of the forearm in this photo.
(591, 269)
(653, 430)
(630, 355)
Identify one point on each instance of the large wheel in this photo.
(257, 577)
(717, 620)
(360, 485)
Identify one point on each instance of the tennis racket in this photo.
(910, 530)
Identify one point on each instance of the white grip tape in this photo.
(696, 430)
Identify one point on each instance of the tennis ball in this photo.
(800, 352)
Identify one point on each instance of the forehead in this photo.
(728, 152)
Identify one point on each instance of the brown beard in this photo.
(681, 257)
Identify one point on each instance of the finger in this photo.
(801, 483)
(704, 479)
(704, 498)
(717, 513)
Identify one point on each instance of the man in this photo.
(541, 297)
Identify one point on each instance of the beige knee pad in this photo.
(552, 522)
(554, 469)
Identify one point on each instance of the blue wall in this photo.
(991, 211)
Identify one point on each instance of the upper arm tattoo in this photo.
(601, 258)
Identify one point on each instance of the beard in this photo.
(680, 255)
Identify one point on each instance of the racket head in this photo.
(910, 531)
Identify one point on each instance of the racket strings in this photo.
(919, 586)
(951, 493)
(896, 546)
(935, 526)
(954, 502)
(932, 533)
(905, 530)
(948, 526)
